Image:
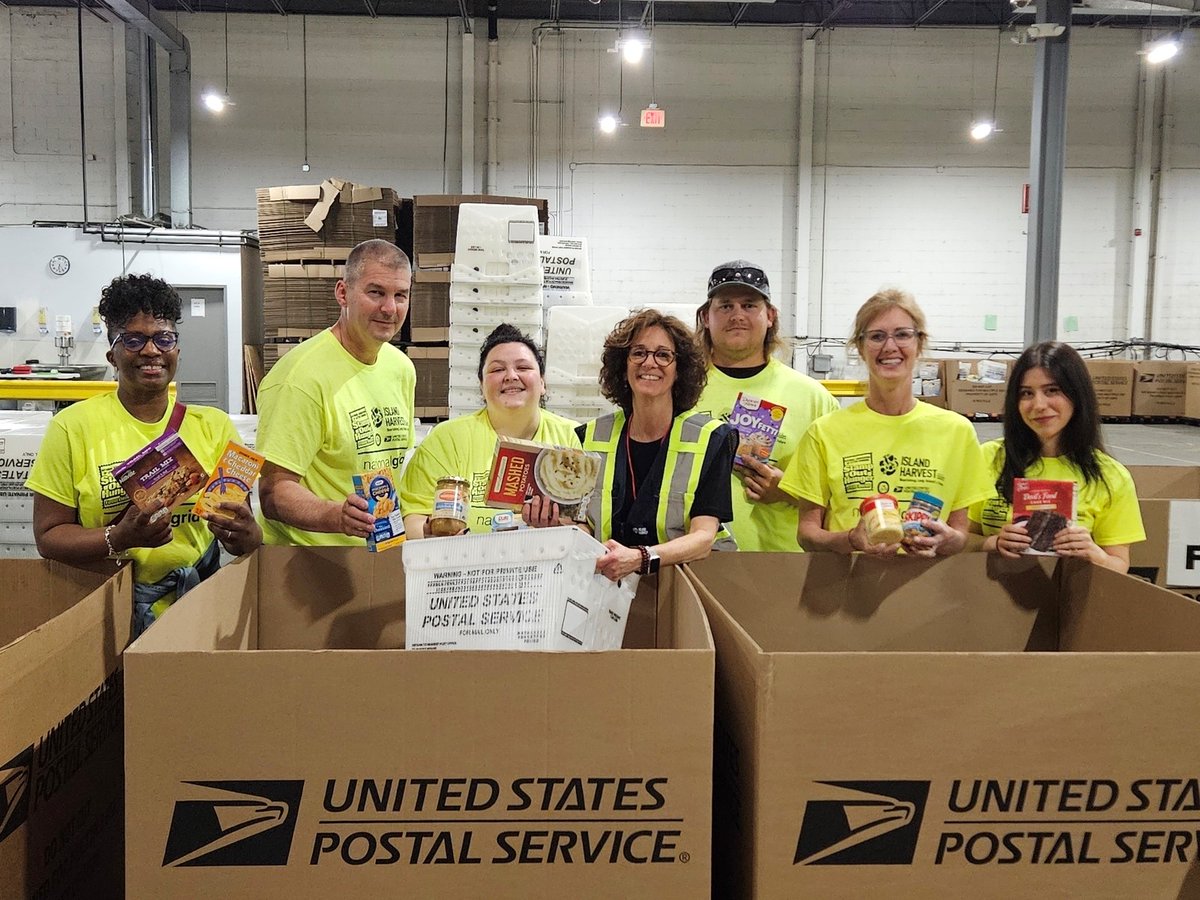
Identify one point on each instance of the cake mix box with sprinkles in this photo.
(757, 422)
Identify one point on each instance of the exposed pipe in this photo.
(493, 101)
(82, 130)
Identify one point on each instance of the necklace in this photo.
(629, 458)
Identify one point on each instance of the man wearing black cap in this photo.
(738, 327)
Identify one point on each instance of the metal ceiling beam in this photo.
(279, 7)
(372, 9)
(929, 12)
(187, 7)
(737, 17)
(842, 5)
(465, 14)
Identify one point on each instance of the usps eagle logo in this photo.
(233, 823)
(862, 823)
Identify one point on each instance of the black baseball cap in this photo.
(741, 272)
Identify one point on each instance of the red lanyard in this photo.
(629, 459)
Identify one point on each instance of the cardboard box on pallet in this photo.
(1191, 401)
(435, 223)
(1112, 380)
(1169, 497)
(1159, 388)
(971, 397)
(967, 727)
(61, 738)
(315, 760)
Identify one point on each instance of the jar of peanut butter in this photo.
(881, 518)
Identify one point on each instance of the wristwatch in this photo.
(650, 561)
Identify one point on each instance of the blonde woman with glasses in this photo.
(887, 443)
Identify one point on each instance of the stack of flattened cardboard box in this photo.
(432, 220)
(285, 745)
(968, 727)
(305, 234)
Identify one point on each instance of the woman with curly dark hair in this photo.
(1052, 431)
(81, 516)
(663, 489)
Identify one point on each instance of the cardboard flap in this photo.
(1105, 611)
(826, 602)
(224, 617)
(38, 590)
(1166, 482)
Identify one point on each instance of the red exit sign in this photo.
(654, 117)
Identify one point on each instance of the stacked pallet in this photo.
(306, 232)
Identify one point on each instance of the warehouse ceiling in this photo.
(823, 13)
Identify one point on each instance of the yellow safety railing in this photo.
(56, 389)
(844, 388)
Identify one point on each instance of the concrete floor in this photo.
(1136, 445)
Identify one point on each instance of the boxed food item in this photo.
(533, 589)
(970, 727)
(525, 469)
(231, 481)
(166, 470)
(1046, 507)
(378, 488)
(300, 752)
(757, 422)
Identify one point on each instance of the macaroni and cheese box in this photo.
(757, 422)
(231, 481)
(165, 469)
(378, 488)
(1046, 507)
(523, 470)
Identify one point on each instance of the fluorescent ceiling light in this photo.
(1162, 50)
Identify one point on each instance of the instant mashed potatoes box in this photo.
(524, 469)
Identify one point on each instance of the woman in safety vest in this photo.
(664, 486)
(81, 515)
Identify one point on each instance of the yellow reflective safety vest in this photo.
(686, 446)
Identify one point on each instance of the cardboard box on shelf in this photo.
(1159, 388)
(1169, 497)
(455, 774)
(1112, 380)
(61, 737)
(953, 728)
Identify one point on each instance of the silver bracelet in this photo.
(112, 552)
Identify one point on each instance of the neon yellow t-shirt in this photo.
(855, 452)
(466, 446)
(325, 416)
(768, 526)
(1110, 511)
(83, 444)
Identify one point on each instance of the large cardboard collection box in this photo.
(1112, 380)
(1169, 497)
(1160, 388)
(284, 749)
(970, 727)
(61, 740)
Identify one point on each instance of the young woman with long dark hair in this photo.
(1052, 431)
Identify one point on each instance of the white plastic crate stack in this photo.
(576, 339)
(496, 277)
(21, 436)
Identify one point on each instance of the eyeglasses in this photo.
(902, 336)
(134, 341)
(662, 357)
(750, 275)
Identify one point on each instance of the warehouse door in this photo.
(203, 377)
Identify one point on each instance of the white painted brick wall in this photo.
(907, 199)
